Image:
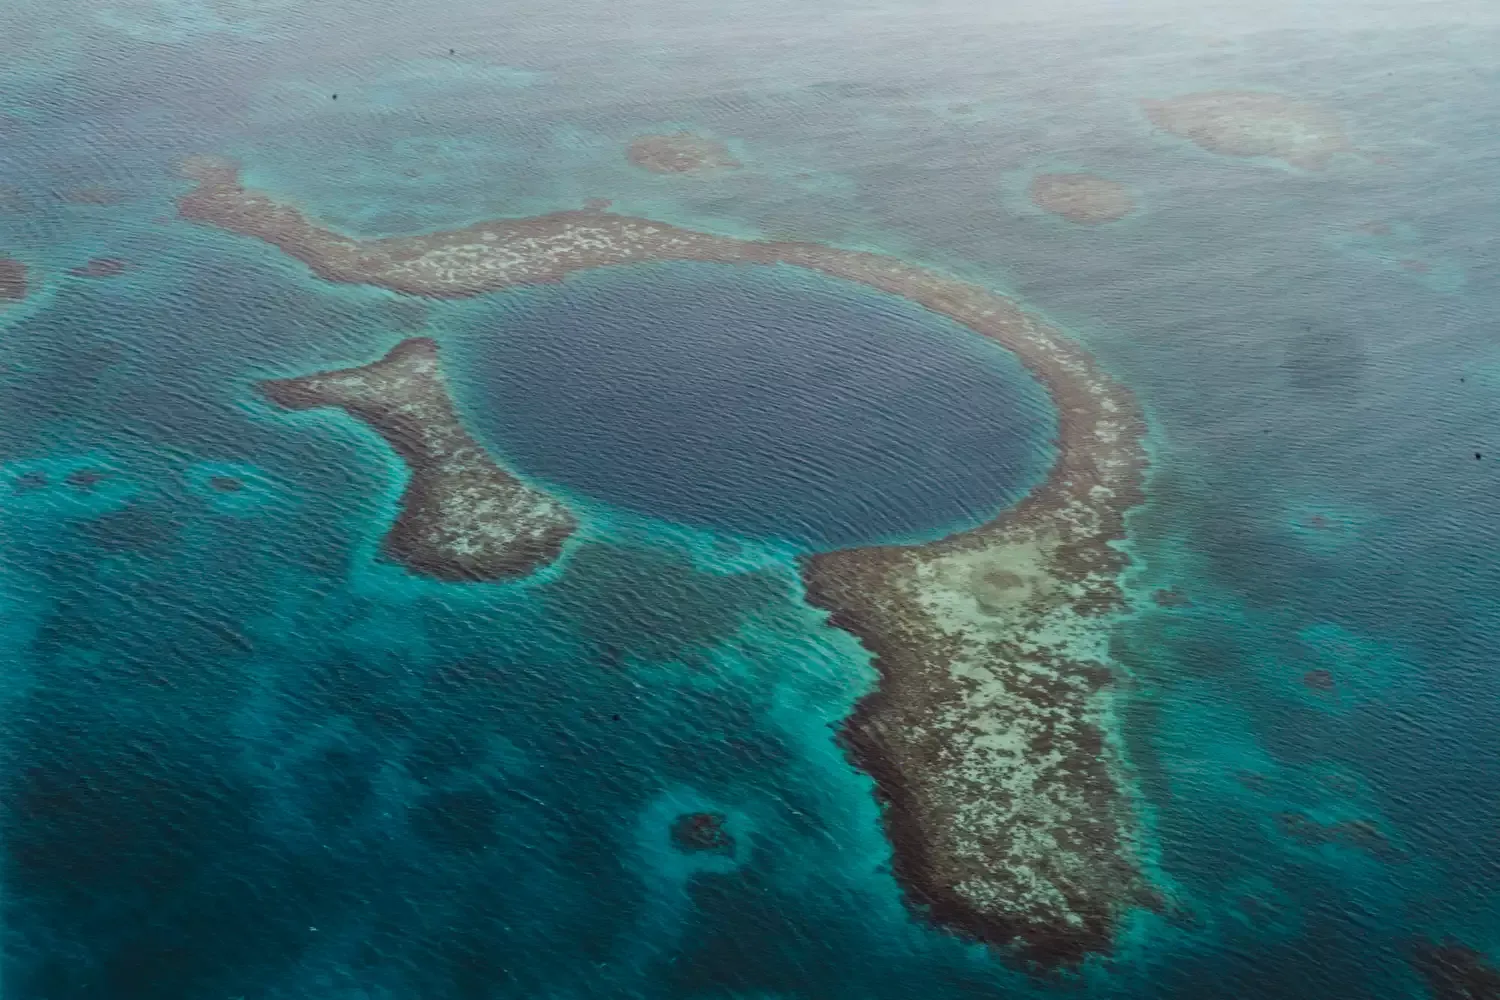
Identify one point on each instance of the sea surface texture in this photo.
(242, 755)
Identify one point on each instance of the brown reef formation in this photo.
(1083, 198)
(13, 284)
(85, 479)
(702, 832)
(680, 153)
(1454, 971)
(1250, 123)
(463, 517)
(99, 267)
(1318, 679)
(988, 736)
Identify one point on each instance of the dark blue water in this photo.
(243, 759)
(768, 402)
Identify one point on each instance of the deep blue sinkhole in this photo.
(761, 401)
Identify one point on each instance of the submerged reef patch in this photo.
(1360, 834)
(99, 267)
(1454, 971)
(1252, 123)
(463, 517)
(1170, 597)
(1318, 679)
(13, 283)
(90, 194)
(232, 487)
(990, 733)
(702, 832)
(1087, 199)
(680, 153)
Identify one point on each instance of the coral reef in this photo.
(680, 153)
(1005, 795)
(85, 479)
(1318, 680)
(99, 267)
(1361, 834)
(1170, 597)
(13, 283)
(1454, 971)
(699, 832)
(463, 517)
(1251, 123)
(1083, 198)
(989, 733)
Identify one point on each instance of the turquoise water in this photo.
(243, 758)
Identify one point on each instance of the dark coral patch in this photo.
(702, 832)
(99, 267)
(12, 280)
(1318, 680)
(1361, 834)
(1454, 971)
(1170, 598)
(85, 479)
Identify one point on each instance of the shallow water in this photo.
(244, 758)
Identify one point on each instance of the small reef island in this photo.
(463, 517)
(13, 285)
(1087, 199)
(702, 832)
(1251, 123)
(680, 153)
(991, 733)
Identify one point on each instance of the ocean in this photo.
(244, 757)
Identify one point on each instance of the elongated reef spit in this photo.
(990, 734)
(463, 517)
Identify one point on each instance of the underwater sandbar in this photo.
(990, 736)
